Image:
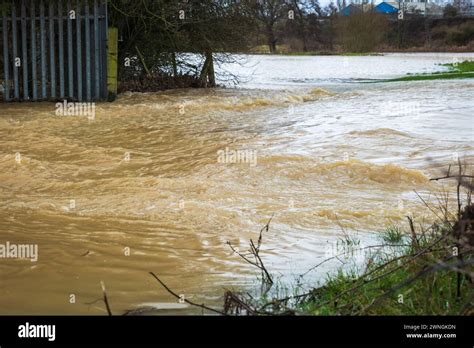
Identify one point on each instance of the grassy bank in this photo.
(417, 272)
(409, 280)
(411, 270)
(456, 71)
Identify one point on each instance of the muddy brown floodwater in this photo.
(151, 183)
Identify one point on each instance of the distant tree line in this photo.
(153, 34)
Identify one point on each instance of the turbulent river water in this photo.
(161, 181)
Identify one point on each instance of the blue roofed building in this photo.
(384, 7)
(390, 8)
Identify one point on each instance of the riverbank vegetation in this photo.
(164, 45)
(419, 281)
(413, 270)
(456, 70)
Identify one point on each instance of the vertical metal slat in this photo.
(52, 58)
(6, 93)
(34, 82)
(24, 50)
(70, 63)
(106, 47)
(16, 85)
(101, 51)
(88, 52)
(43, 51)
(97, 51)
(79, 51)
(61, 49)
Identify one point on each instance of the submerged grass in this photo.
(437, 76)
(466, 66)
(393, 234)
(460, 70)
(396, 285)
(402, 277)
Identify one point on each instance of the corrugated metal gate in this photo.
(54, 49)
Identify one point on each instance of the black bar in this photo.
(158, 330)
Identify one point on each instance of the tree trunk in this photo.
(305, 46)
(428, 32)
(274, 47)
(207, 75)
(175, 67)
(211, 75)
(271, 39)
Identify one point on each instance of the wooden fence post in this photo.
(112, 63)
